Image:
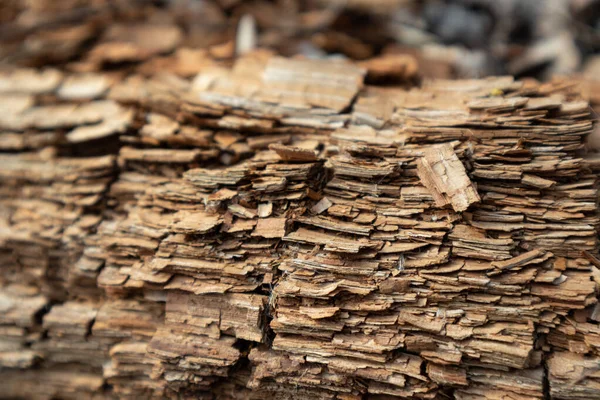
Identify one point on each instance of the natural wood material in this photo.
(443, 174)
(279, 229)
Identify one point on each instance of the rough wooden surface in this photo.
(281, 230)
(442, 173)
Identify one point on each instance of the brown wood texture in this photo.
(279, 229)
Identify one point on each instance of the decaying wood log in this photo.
(280, 229)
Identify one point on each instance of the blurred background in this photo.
(401, 39)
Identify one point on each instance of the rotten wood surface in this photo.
(281, 229)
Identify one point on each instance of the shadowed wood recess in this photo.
(276, 228)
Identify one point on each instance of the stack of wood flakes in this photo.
(279, 229)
